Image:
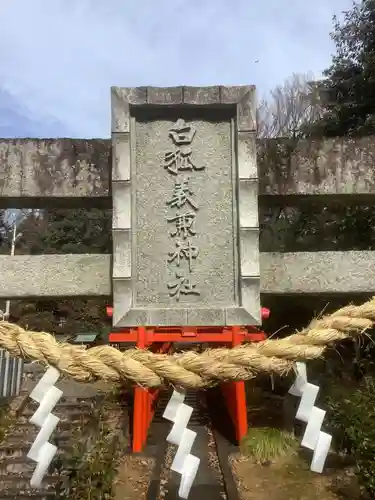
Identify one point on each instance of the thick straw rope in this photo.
(188, 369)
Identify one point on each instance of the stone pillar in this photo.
(185, 209)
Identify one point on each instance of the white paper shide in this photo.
(41, 451)
(184, 462)
(313, 439)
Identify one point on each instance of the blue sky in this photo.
(60, 57)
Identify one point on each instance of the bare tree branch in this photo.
(289, 108)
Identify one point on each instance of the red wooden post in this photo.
(140, 402)
(235, 394)
(145, 399)
(239, 407)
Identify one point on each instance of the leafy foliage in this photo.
(352, 421)
(66, 231)
(90, 469)
(317, 228)
(4, 232)
(349, 89)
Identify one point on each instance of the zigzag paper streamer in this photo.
(184, 463)
(313, 438)
(41, 451)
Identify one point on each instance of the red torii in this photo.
(161, 339)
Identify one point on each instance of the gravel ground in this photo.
(289, 478)
(213, 460)
(166, 471)
(134, 475)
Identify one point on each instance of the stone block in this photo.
(122, 254)
(202, 95)
(41, 173)
(249, 253)
(248, 203)
(232, 94)
(210, 316)
(133, 317)
(33, 276)
(121, 157)
(183, 195)
(238, 316)
(69, 173)
(246, 112)
(121, 199)
(168, 317)
(90, 275)
(247, 159)
(122, 301)
(165, 95)
(121, 100)
(250, 298)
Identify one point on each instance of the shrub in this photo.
(352, 420)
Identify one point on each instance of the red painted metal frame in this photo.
(161, 340)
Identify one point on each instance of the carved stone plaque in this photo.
(185, 213)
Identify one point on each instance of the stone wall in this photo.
(305, 167)
(33, 276)
(37, 170)
(68, 172)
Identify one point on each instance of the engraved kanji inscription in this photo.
(182, 195)
(182, 285)
(179, 161)
(182, 133)
(185, 250)
(184, 223)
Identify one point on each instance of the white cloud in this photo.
(62, 56)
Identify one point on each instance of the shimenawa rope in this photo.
(189, 369)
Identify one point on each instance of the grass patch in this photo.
(267, 443)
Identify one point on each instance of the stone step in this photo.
(23, 424)
(24, 465)
(61, 411)
(21, 483)
(88, 403)
(21, 448)
(13, 494)
(20, 465)
(82, 401)
(15, 439)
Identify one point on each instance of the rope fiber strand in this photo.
(188, 369)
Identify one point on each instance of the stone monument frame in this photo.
(245, 196)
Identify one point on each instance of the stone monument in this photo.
(185, 207)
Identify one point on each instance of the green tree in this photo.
(66, 231)
(61, 232)
(5, 231)
(348, 92)
(285, 115)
